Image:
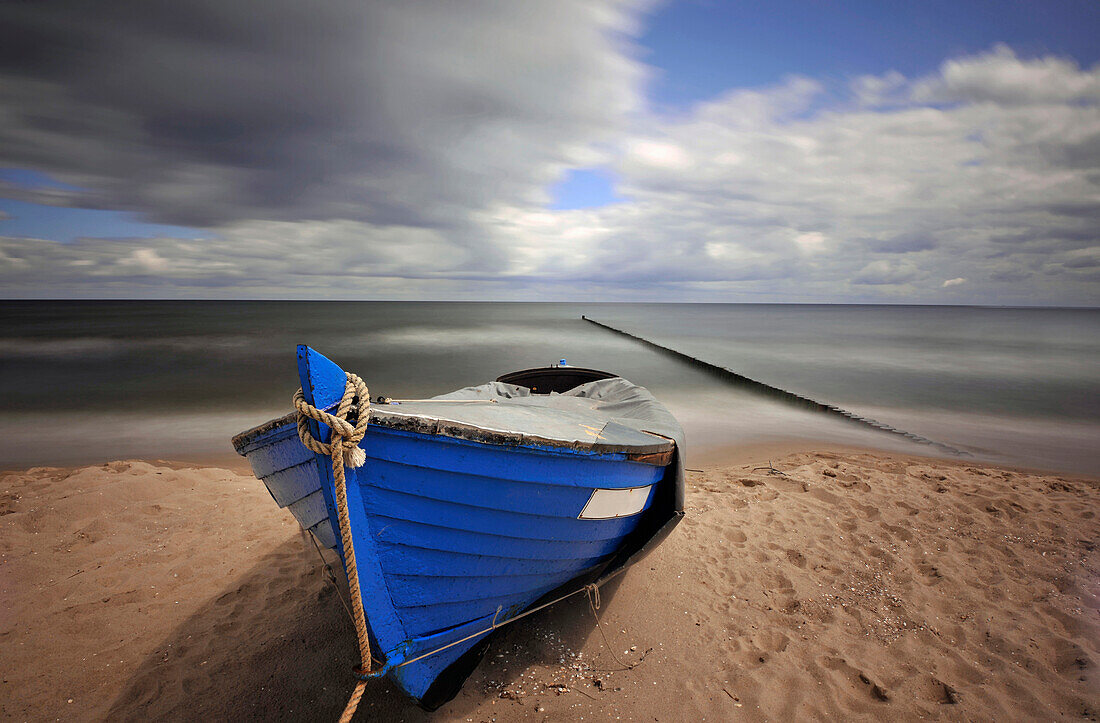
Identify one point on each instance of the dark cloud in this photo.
(1082, 262)
(1011, 276)
(1042, 239)
(1082, 209)
(902, 243)
(202, 113)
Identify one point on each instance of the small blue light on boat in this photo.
(563, 363)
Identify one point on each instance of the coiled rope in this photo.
(343, 448)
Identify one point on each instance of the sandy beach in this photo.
(518, 264)
(837, 584)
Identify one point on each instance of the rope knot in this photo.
(593, 592)
(345, 437)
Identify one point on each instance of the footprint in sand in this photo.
(930, 572)
(857, 677)
(1070, 660)
(907, 507)
(772, 641)
(827, 497)
(796, 558)
(935, 690)
(7, 503)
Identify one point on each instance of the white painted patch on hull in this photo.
(608, 504)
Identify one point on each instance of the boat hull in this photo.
(448, 531)
(454, 536)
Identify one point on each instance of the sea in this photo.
(89, 381)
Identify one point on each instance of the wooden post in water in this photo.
(740, 380)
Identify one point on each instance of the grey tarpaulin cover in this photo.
(608, 415)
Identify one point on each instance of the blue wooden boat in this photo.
(477, 505)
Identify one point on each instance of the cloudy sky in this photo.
(932, 152)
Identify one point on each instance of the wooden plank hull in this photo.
(452, 534)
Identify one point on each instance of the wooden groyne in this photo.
(744, 382)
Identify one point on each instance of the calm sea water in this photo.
(88, 381)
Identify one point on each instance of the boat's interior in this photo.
(547, 380)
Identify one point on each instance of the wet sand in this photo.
(843, 584)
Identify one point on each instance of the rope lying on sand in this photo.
(741, 380)
(343, 448)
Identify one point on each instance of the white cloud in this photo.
(979, 187)
(1000, 76)
(885, 271)
(987, 171)
(811, 242)
(658, 154)
(146, 260)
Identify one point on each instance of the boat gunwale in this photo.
(659, 453)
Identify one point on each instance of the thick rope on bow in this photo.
(343, 448)
(346, 436)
